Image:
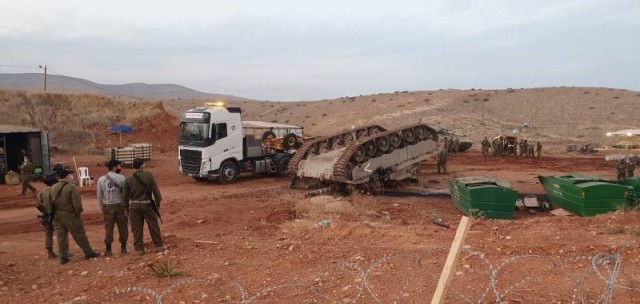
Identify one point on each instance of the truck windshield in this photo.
(194, 131)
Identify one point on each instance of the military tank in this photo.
(370, 156)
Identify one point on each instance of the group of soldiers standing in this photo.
(135, 198)
(523, 148)
(624, 169)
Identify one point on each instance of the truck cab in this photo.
(214, 142)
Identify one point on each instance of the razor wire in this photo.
(605, 267)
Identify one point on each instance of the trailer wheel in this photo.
(290, 141)
(283, 165)
(228, 172)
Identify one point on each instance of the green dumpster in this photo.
(584, 194)
(634, 188)
(480, 196)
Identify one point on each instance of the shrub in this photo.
(164, 269)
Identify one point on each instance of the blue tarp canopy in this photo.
(121, 128)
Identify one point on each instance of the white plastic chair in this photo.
(83, 176)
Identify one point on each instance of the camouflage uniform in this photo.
(44, 206)
(442, 161)
(25, 177)
(539, 150)
(530, 149)
(621, 168)
(485, 146)
(629, 169)
(67, 206)
(136, 199)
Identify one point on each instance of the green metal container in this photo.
(584, 194)
(634, 188)
(480, 196)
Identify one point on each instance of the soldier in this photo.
(525, 148)
(456, 146)
(530, 150)
(520, 148)
(539, 150)
(485, 146)
(67, 208)
(109, 190)
(446, 143)
(630, 167)
(450, 145)
(25, 176)
(442, 161)
(621, 169)
(138, 189)
(499, 147)
(43, 204)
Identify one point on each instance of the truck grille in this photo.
(190, 161)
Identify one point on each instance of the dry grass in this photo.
(71, 119)
(615, 230)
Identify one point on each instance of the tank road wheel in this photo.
(421, 132)
(228, 172)
(324, 146)
(370, 148)
(383, 143)
(362, 133)
(373, 131)
(290, 141)
(395, 140)
(408, 136)
(359, 155)
(347, 138)
(334, 142)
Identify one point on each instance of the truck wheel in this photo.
(268, 134)
(290, 141)
(283, 166)
(228, 172)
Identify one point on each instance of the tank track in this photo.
(331, 142)
(361, 151)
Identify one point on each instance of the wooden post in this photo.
(76, 169)
(454, 253)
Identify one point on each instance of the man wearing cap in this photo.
(43, 204)
(67, 208)
(138, 189)
(109, 192)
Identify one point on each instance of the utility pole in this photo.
(45, 76)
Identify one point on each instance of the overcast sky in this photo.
(305, 50)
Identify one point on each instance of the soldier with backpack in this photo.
(109, 192)
(43, 204)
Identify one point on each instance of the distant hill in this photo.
(64, 84)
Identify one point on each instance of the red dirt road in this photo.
(257, 241)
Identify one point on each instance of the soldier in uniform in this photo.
(442, 161)
(138, 189)
(530, 150)
(109, 192)
(67, 208)
(621, 169)
(43, 204)
(630, 167)
(25, 176)
(456, 146)
(485, 146)
(539, 150)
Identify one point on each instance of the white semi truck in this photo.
(216, 144)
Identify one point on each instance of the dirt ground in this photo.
(258, 241)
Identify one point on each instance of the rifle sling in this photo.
(113, 182)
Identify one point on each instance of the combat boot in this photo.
(64, 260)
(91, 255)
(107, 251)
(52, 255)
(123, 248)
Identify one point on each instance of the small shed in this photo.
(19, 141)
